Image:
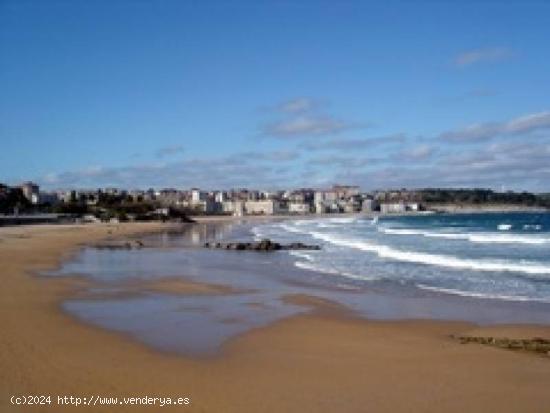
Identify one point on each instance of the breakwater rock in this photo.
(263, 245)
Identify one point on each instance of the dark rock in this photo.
(263, 245)
(118, 245)
(534, 345)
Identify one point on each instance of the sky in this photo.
(275, 94)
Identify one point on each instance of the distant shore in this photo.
(44, 219)
(324, 361)
(470, 208)
(435, 208)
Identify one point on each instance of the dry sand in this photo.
(325, 361)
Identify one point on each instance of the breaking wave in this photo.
(473, 294)
(385, 251)
(472, 237)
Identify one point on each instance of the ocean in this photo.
(504, 256)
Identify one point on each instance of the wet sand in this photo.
(325, 361)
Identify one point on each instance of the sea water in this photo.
(495, 256)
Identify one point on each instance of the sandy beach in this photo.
(326, 360)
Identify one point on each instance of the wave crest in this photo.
(482, 237)
(384, 251)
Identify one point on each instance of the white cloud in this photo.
(516, 165)
(265, 169)
(305, 125)
(301, 104)
(483, 131)
(417, 153)
(299, 117)
(346, 144)
(472, 57)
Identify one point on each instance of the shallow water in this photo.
(200, 324)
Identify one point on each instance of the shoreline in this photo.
(205, 219)
(444, 209)
(334, 356)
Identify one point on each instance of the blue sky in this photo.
(275, 94)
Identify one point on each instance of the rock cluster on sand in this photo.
(263, 245)
(536, 345)
(119, 244)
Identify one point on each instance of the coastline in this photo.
(487, 208)
(325, 360)
(433, 209)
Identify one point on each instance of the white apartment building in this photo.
(264, 207)
(235, 208)
(31, 191)
(393, 208)
(196, 195)
(298, 208)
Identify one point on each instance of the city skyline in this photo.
(275, 95)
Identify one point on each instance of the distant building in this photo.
(49, 198)
(369, 205)
(137, 195)
(66, 196)
(345, 191)
(330, 196)
(319, 202)
(393, 208)
(169, 196)
(235, 208)
(31, 191)
(149, 195)
(349, 207)
(196, 195)
(253, 195)
(113, 191)
(206, 206)
(299, 208)
(265, 207)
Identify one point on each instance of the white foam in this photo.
(290, 228)
(307, 265)
(531, 227)
(311, 264)
(504, 227)
(325, 225)
(302, 255)
(342, 220)
(480, 295)
(258, 234)
(480, 237)
(508, 238)
(384, 251)
(398, 231)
